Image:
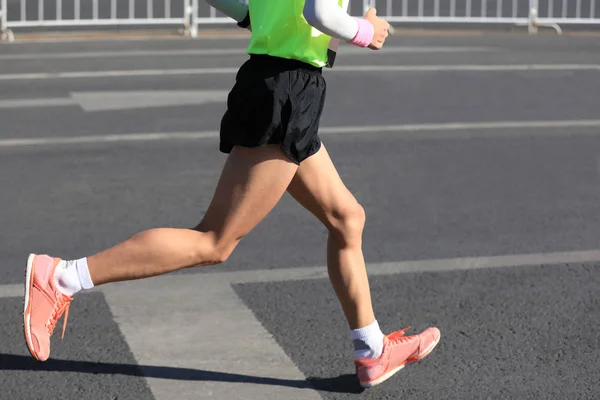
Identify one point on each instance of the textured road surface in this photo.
(431, 190)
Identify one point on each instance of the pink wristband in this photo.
(365, 34)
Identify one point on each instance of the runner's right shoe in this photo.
(398, 351)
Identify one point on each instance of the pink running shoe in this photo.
(44, 305)
(398, 351)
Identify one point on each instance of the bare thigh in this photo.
(317, 186)
(251, 184)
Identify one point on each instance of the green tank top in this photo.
(279, 29)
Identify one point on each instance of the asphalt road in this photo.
(477, 164)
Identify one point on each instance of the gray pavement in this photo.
(447, 163)
(503, 334)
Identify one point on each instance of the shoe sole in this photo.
(27, 305)
(393, 372)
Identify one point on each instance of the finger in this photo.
(372, 12)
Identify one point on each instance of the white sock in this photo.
(368, 342)
(72, 276)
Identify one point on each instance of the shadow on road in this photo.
(341, 384)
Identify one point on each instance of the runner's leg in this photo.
(252, 182)
(318, 187)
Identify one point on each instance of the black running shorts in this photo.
(275, 101)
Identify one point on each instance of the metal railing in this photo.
(94, 13)
(531, 13)
(190, 14)
(205, 15)
(5, 33)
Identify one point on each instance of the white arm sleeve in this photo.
(235, 9)
(328, 17)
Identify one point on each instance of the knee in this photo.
(221, 250)
(347, 223)
(221, 254)
(215, 250)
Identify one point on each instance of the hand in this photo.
(381, 29)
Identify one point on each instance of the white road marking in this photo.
(387, 268)
(443, 130)
(202, 326)
(227, 52)
(348, 68)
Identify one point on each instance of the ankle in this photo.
(368, 341)
(70, 277)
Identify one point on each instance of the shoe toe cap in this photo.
(430, 335)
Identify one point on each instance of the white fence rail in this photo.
(94, 13)
(533, 13)
(190, 14)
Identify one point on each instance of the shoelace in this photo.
(399, 336)
(61, 306)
